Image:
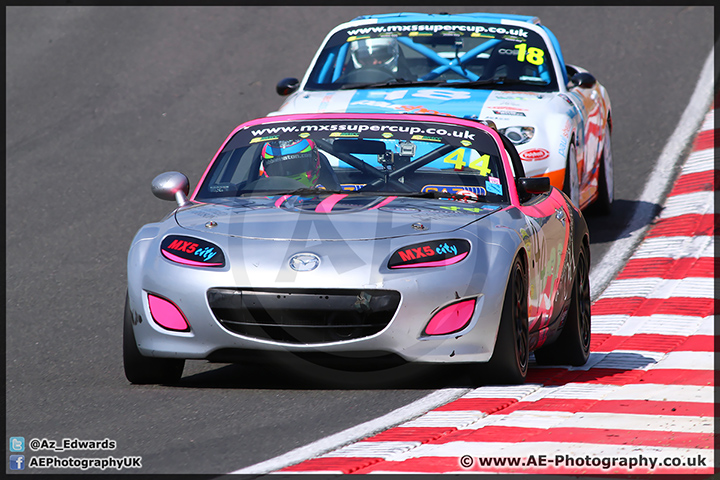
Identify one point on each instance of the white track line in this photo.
(324, 445)
(676, 247)
(659, 324)
(651, 287)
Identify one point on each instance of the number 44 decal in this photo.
(457, 159)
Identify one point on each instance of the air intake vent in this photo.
(301, 316)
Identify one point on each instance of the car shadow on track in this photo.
(616, 225)
(294, 373)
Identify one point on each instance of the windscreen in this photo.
(358, 157)
(455, 54)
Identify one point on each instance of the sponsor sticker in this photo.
(263, 139)
(426, 138)
(493, 188)
(498, 111)
(534, 154)
(454, 189)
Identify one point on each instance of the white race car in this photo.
(505, 68)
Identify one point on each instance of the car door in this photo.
(589, 102)
(547, 235)
(548, 230)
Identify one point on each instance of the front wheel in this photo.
(573, 345)
(509, 361)
(143, 370)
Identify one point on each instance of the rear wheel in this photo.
(140, 369)
(509, 362)
(571, 184)
(572, 347)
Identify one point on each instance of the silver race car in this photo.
(416, 237)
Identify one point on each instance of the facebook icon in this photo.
(17, 462)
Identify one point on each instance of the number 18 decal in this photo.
(532, 55)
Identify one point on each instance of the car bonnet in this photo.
(499, 106)
(331, 217)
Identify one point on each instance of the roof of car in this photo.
(468, 17)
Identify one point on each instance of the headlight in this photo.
(192, 251)
(435, 253)
(518, 135)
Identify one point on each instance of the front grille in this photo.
(302, 316)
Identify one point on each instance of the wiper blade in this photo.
(312, 191)
(399, 82)
(463, 197)
(299, 191)
(365, 193)
(491, 81)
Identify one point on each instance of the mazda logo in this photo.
(304, 262)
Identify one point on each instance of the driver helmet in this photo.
(375, 52)
(295, 159)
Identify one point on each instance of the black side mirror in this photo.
(286, 86)
(527, 186)
(583, 80)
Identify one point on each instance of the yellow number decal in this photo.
(456, 158)
(531, 55)
(481, 164)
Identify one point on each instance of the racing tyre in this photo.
(571, 184)
(606, 186)
(144, 370)
(509, 362)
(572, 347)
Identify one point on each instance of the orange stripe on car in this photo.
(557, 178)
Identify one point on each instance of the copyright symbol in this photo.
(466, 461)
(34, 444)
